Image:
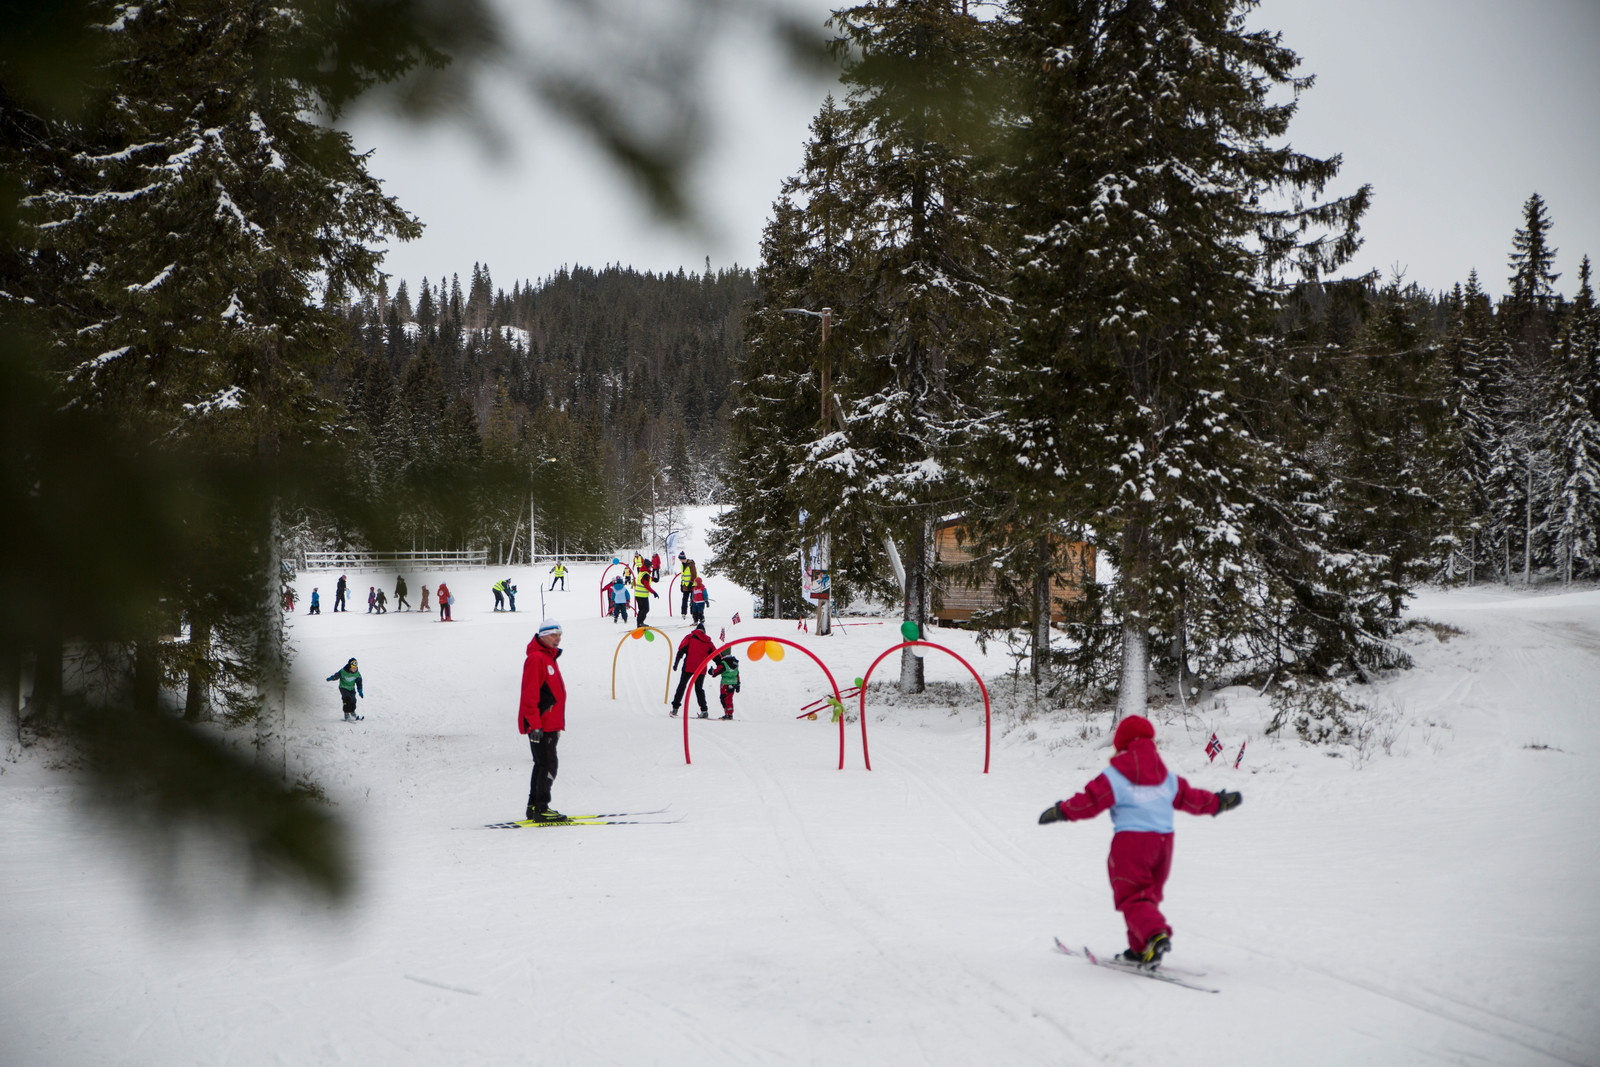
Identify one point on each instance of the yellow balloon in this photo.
(774, 651)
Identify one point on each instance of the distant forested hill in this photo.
(603, 391)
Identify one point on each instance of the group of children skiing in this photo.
(636, 586)
(378, 600)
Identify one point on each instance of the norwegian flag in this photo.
(1213, 747)
(722, 635)
(736, 618)
(1240, 757)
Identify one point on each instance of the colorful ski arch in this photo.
(924, 644)
(648, 633)
(755, 654)
(605, 585)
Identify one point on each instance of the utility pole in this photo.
(822, 584)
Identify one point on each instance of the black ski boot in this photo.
(1154, 949)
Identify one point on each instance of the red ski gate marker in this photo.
(605, 588)
(865, 678)
(749, 640)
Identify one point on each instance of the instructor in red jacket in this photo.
(1142, 795)
(693, 651)
(542, 715)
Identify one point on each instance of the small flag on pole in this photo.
(1213, 747)
(722, 635)
(736, 618)
(1240, 757)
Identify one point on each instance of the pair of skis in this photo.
(1160, 973)
(604, 818)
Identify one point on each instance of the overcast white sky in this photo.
(1454, 110)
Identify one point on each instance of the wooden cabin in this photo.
(955, 600)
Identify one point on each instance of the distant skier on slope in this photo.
(619, 598)
(349, 679)
(642, 592)
(560, 572)
(1141, 795)
(542, 715)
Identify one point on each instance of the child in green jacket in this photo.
(349, 679)
(727, 669)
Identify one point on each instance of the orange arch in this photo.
(782, 641)
(636, 633)
(865, 678)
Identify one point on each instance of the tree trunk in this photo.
(1527, 531)
(271, 756)
(918, 605)
(1041, 610)
(197, 695)
(10, 703)
(44, 704)
(146, 677)
(1133, 694)
(1180, 655)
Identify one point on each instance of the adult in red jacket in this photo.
(542, 715)
(1142, 795)
(693, 650)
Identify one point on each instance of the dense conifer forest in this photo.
(597, 396)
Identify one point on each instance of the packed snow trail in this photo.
(1431, 907)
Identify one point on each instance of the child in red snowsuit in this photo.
(1142, 795)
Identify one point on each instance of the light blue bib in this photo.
(1142, 807)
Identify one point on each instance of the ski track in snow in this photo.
(1433, 907)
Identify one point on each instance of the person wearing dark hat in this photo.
(686, 579)
(349, 679)
(542, 715)
(693, 650)
(1141, 795)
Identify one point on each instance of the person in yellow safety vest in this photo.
(686, 580)
(638, 562)
(642, 592)
(560, 572)
(500, 595)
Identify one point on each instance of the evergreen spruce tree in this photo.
(1572, 432)
(918, 335)
(1157, 217)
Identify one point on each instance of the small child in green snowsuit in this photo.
(349, 679)
(727, 669)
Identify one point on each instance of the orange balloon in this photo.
(636, 634)
(758, 649)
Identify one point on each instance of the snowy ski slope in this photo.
(1436, 905)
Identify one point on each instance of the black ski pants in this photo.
(544, 768)
(699, 690)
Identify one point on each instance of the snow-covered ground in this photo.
(1428, 899)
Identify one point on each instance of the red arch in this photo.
(925, 644)
(675, 578)
(745, 640)
(605, 584)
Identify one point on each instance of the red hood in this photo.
(1140, 764)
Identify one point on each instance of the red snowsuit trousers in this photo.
(1139, 864)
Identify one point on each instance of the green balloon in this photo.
(649, 635)
(860, 683)
(910, 631)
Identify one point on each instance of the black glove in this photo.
(1227, 801)
(1050, 815)
(535, 736)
